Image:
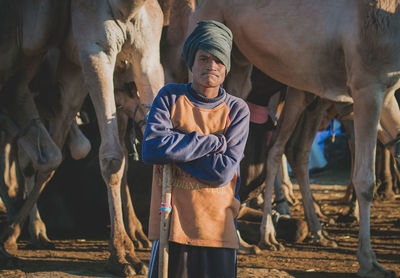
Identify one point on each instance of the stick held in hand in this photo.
(165, 211)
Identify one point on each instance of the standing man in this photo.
(202, 131)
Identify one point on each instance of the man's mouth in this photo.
(210, 73)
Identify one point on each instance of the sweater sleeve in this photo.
(217, 169)
(162, 144)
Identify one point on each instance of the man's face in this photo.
(208, 71)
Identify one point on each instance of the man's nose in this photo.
(212, 64)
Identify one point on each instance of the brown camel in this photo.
(44, 84)
(101, 35)
(305, 47)
(21, 54)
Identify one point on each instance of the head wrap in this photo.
(212, 37)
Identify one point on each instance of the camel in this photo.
(386, 177)
(315, 116)
(20, 58)
(253, 166)
(100, 36)
(13, 188)
(16, 100)
(386, 173)
(174, 33)
(128, 106)
(354, 60)
(126, 31)
(44, 85)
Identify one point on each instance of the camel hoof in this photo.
(376, 272)
(271, 247)
(251, 250)
(121, 270)
(137, 244)
(10, 245)
(41, 245)
(40, 242)
(327, 243)
(255, 250)
(295, 203)
(141, 269)
(147, 245)
(142, 244)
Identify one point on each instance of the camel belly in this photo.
(277, 40)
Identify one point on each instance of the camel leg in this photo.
(314, 225)
(132, 223)
(287, 185)
(248, 214)
(367, 108)
(72, 95)
(384, 184)
(319, 211)
(280, 202)
(245, 248)
(298, 152)
(10, 235)
(390, 127)
(349, 127)
(97, 56)
(388, 193)
(98, 67)
(4, 189)
(46, 163)
(390, 123)
(12, 232)
(37, 229)
(346, 199)
(133, 226)
(287, 122)
(123, 259)
(349, 198)
(149, 78)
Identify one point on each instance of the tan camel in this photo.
(354, 59)
(102, 34)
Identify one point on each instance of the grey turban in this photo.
(212, 37)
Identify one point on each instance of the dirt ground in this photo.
(85, 257)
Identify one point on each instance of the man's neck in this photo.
(206, 92)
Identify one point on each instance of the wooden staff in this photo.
(165, 210)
